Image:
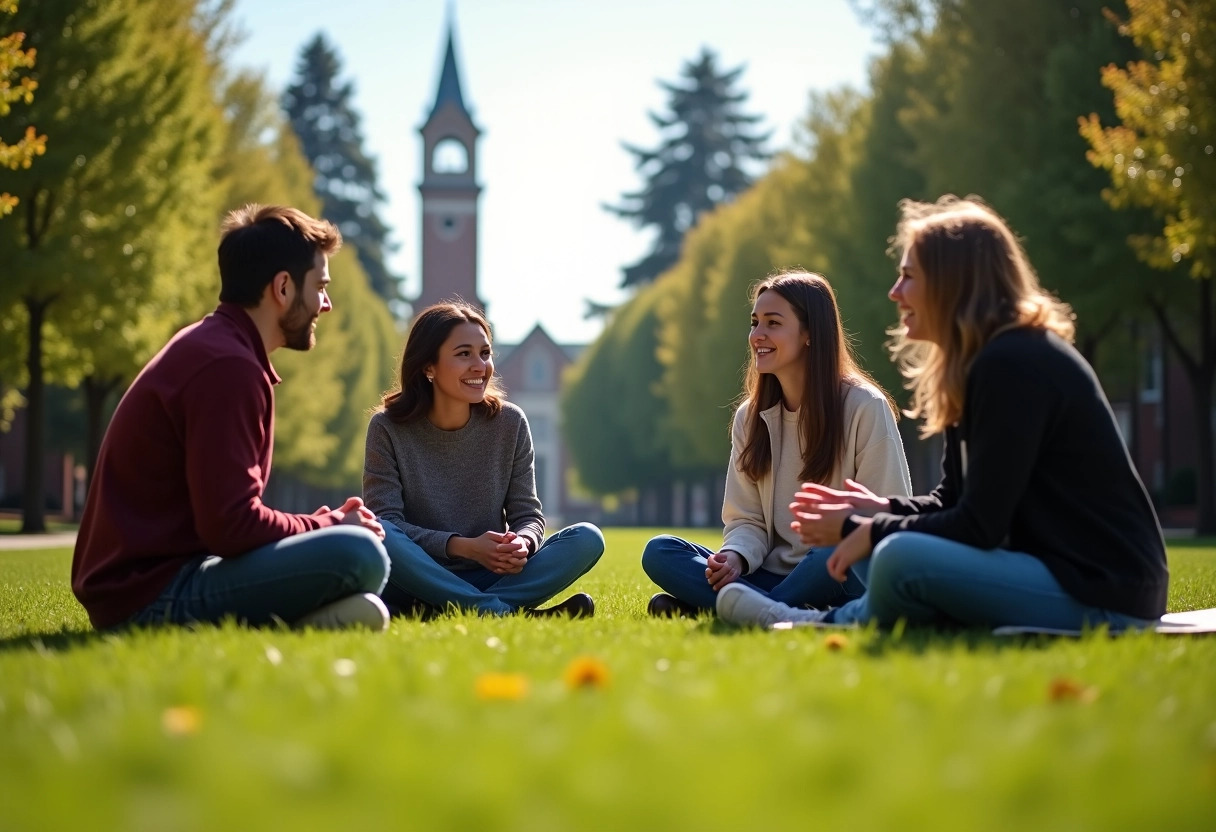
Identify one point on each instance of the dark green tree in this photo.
(321, 109)
(702, 158)
(611, 407)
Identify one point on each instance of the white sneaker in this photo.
(740, 604)
(362, 610)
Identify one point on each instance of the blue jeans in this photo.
(678, 567)
(925, 579)
(282, 581)
(560, 561)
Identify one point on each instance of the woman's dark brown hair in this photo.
(830, 366)
(414, 394)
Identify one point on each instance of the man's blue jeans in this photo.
(678, 567)
(560, 561)
(925, 579)
(282, 581)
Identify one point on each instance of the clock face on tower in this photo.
(448, 227)
(450, 156)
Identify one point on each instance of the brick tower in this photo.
(449, 192)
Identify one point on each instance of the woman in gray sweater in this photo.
(449, 472)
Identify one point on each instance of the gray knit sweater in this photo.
(434, 484)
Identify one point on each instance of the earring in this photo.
(430, 378)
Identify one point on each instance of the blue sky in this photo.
(555, 85)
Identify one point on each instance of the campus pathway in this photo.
(54, 540)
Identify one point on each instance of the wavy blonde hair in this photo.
(978, 283)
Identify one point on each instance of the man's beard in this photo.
(297, 327)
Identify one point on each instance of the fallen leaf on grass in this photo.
(1063, 689)
(501, 686)
(587, 672)
(181, 720)
(835, 641)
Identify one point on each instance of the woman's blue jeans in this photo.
(678, 567)
(560, 561)
(925, 579)
(282, 581)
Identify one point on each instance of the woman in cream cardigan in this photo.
(809, 415)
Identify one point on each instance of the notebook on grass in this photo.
(1192, 622)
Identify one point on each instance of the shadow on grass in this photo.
(916, 640)
(60, 641)
(1191, 543)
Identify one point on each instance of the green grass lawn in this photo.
(698, 726)
(11, 524)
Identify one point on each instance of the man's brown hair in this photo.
(259, 241)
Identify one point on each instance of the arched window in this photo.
(450, 156)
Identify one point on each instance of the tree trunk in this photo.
(96, 392)
(1200, 373)
(1201, 391)
(33, 498)
(1201, 396)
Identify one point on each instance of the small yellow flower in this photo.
(181, 720)
(835, 641)
(505, 686)
(587, 672)
(1063, 689)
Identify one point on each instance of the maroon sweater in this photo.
(182, 469)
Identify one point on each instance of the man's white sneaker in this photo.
(362, 610)
(740, 604)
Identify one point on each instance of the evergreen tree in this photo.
(700, 162)
(323, 116)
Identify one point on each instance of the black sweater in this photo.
(1036, 465)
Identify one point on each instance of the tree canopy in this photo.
(1160, 158)
(16, 87)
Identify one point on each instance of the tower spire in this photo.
(449, 78)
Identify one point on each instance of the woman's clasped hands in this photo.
(503, 553)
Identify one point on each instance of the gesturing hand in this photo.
(503, 553)
(819, 512)
(354, 513)
(853, 548)
(723, 568)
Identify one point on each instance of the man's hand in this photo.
(354, 513)
(723, 568)
(503, 553)
(853, 548)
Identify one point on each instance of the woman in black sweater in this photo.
(1040, 519)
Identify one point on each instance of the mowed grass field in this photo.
(619, 722)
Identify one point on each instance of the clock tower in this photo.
(449, 192)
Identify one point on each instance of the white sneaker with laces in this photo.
(740, 604)
(361, 610)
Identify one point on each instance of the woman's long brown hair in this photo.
(830, 365)
(414, 394)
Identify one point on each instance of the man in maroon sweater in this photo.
(174, 529)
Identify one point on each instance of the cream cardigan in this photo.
(873, 456)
